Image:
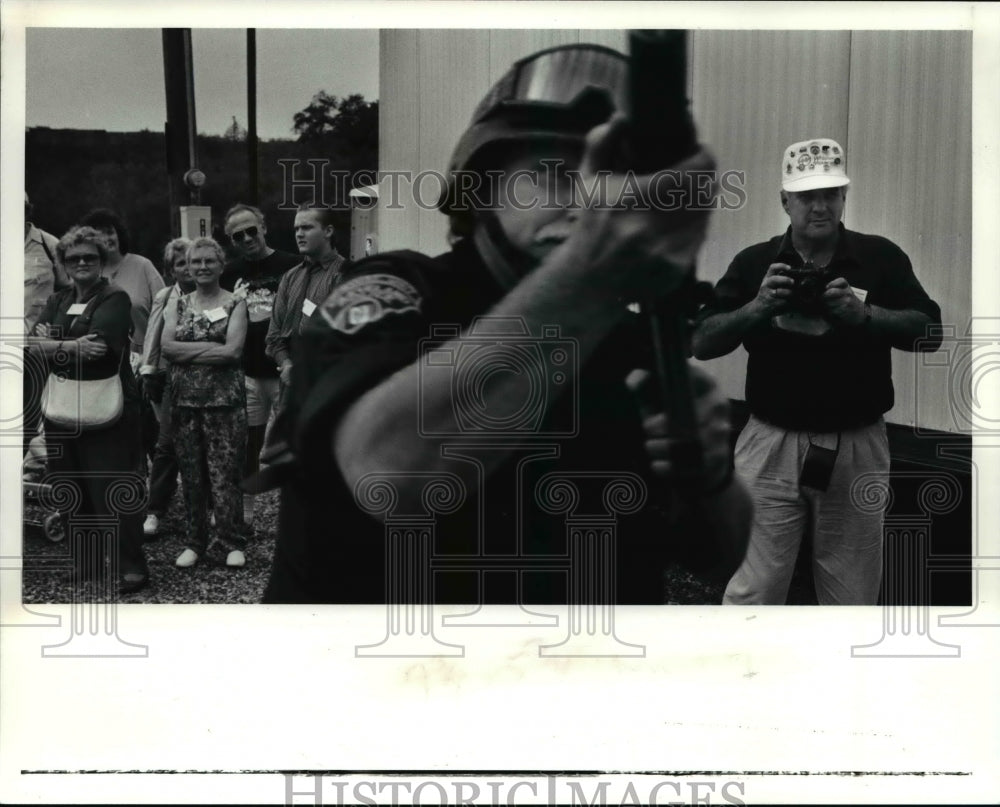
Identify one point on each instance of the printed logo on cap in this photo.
(811, 164)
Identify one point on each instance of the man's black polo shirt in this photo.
(842, 379)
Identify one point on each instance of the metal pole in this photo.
(252, 156)
(179, 130)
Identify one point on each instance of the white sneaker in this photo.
(187, 558)
(235, 558)
(248, 500)
(151, 526)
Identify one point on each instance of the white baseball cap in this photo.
(812, 164)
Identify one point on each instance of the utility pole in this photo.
(180, 127)
(252, 155)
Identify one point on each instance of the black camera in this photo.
(809, 284)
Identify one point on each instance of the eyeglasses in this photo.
(238, 235)
(86, 260)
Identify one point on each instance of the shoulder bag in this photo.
(84, 404)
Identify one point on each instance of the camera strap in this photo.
(835, 449)
(817, 467)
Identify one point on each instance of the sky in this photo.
(89, 78)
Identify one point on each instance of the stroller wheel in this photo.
(55, 527)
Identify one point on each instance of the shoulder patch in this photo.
(363, 300)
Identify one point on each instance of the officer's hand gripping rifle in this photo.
(663, 134)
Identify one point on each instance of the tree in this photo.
(68, 172)
(235, 131)
(344, 133)
(351, 120)
(316, 121)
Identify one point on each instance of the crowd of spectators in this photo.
(198, 360)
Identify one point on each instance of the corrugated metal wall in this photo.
(900, 103)
(910, 140)
(754, 92)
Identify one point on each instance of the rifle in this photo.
(663, 133)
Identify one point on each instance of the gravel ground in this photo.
(210, 582)
(206, 582)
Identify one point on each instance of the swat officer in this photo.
(447, 367)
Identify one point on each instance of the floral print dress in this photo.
(208, 410)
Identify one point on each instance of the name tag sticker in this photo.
(76, 309)
(215, 314)
(308, 306)
(861, 294)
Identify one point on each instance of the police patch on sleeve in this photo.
(367, 299)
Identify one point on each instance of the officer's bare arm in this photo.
(380, 431)
(613, 255)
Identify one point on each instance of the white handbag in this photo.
(83, 405)
(87, 404)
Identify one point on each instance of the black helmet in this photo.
(556, 94)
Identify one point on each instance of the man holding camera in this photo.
(534, 289)
(818, 309)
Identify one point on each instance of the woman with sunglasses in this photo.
(140, 280)
(128, 270)
(83, 332)
(203, 335)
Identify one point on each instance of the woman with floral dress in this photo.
(203, 336)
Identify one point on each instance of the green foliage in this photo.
(69, 172)
(330, 117)
(317, 120)
(235, 131)
(344, 130)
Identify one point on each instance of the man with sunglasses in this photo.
(466, 386)
(255, 272)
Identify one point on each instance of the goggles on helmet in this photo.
(556, 94)
(559, 78)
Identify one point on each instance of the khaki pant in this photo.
(847, 539)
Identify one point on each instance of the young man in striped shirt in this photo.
(303, 287)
